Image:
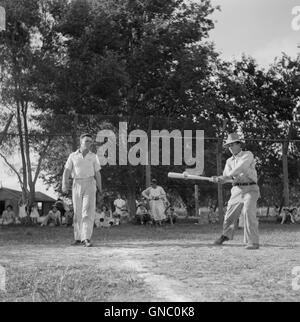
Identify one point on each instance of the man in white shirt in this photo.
(84, 166)
(240, 171)
(119, 204)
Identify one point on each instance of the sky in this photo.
(260, 28)
(9, 180)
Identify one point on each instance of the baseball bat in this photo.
(186, 176)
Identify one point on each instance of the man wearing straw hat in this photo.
(240, 171)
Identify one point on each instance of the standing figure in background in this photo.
(34, 214)
(157, 199)
(22, 211)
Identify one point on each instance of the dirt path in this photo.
(164, 288)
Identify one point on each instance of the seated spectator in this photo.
(212, 215)
(116, 218)
(124, 217)
(53, 218)
(119, 204)
(69, 216)
(104, 218)
(142, 214)
(9, 217)
(60, 205)
(287, 216)
(294, 215)
(99, 217)
(275, 211)
(171, 215)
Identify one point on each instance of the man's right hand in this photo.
(215, 179)
(65, 189)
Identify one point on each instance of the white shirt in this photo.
(83, 167)
(241, 167)
(119, 204)
(156, 192)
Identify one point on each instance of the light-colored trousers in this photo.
(244, 199)
(84, 203)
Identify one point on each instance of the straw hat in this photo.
(233, 137)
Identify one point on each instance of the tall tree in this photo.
(134, 59)
(25, 53)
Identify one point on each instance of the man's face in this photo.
(234, 148)
(86, 143)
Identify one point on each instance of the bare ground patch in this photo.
(133, 263)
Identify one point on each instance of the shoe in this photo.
(87, 243)
(252, 247)
(76, 243)
(221, 240)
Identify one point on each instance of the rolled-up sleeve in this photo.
(162, 192)
(69, 164)
(242, 165)
(227, 169)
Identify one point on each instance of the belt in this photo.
(82, 179)
(244, 184)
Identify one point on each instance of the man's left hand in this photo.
(223, 179)
(220, 179)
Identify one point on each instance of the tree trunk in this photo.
(131, 196)
(148, 167)
(286, 196)
(21, 139)
(28, 159)
(32, 195)
(3, 134)
(285, 149)
(27, 154)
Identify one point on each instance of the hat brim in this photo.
(233, 141)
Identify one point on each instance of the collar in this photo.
(79, 152)
(237, 155)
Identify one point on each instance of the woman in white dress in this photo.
(157, 199)
(22, 211)
(34, 214)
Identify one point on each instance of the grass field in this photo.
(136, 263)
